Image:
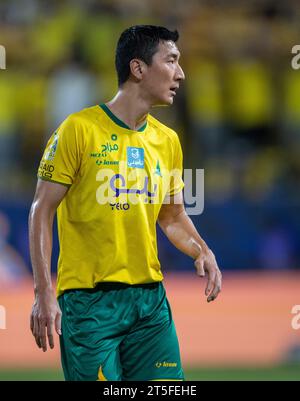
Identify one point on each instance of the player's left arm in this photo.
(180, 230)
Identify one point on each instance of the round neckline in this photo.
(119, 122)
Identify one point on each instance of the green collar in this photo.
(119, 122)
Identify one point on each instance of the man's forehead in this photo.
(168, 47)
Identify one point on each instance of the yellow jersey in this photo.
(118, 179)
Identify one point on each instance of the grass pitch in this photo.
(274, 373)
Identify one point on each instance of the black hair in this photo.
(139, 41)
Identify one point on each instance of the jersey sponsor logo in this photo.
(107, 162)
(128, 185)
(120, 206)
(52, 149)
(136, 191)
(106, 149)
(45, 170)
(114, 137)
(135, 157)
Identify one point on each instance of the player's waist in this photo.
(109, 286)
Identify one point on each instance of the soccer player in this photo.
(112, 171)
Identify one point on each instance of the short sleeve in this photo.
(176, 181)
(62, 156)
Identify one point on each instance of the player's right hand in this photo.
(45, 315)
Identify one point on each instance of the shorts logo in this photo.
(135, 157)
(165, 364)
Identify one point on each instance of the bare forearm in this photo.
(40, 240)
(45, 310)
(184, 236)
(181, 231)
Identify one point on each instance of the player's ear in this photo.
(137, 68)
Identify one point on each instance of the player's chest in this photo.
(135, 152)
(126, 167)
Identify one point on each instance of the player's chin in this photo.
(164, 101)
(168, 100)
(171, 99)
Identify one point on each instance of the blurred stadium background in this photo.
(238, 117)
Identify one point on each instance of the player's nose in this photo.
(179, 74)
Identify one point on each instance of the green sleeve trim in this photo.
(117, 121)
(56, 182)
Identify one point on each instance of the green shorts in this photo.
(119, 332)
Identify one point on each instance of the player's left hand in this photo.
(206, 263)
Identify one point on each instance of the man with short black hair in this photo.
(112, 172)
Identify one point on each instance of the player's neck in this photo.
(129, 108)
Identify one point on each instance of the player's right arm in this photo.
(45, 314)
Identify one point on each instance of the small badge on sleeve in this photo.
(52, 149)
